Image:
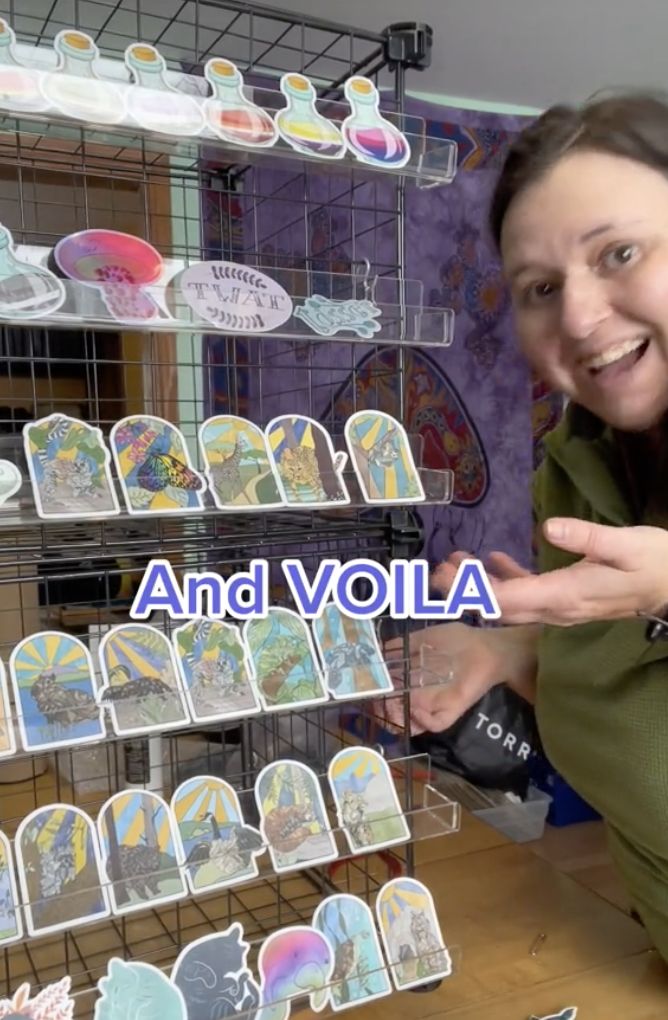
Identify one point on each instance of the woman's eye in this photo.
(537, 292)
(621, 255)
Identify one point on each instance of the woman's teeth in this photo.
(614, 354)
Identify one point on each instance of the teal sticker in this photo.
(328, 317)
(138, 991)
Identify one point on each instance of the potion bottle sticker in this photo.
(293, 817)
(26, 291)
(142, 688)
(55, 692)
(217, 848)
(230, 114)
(138, 841)
(154, 103)
(367, 802)
(370, 137)
(11, 481)
(215, 670)
(354, 666)
(74, 89)
(301, 125)
(53, 1001)
(7, 735)
(11, 925)
(60, 870)
(382, 459)
(411, 934)
(69, 468)
(360, 974)
(20, 88)
(213, 976)
(154, 468)
(234, 297)
(284, 660)
(239, 469)
(292, 963)
(130, 990)
(308, 470)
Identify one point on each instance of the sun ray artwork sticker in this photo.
(294, 962)
(293, 817)
(238, 463)
(139, 849)
(142, 688)
(154, 468)
(60, 870)
(353, 663)
(382, 459)
(217, 848)
(308, 470)
(70, 469)
(55, 692)
(7, 734)
(360, 974)
(367, 803)
(212, 975)
(284, 660)
(411, 934)
(11, 924)
(216, 671)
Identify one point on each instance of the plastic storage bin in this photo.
(521, 822)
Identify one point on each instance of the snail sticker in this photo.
(53, 1002)
(238, 464)
(381, 456)
(370, 137)
(7, 735)
(70, 469)
(74, 89)
(308, 470)
(11, 480)
(294, 821)
(284, 660)
(138, 841)
(27, 291)
(230, 114)
(59, 868)
(217, 848)
(301, 125)
(216, 672)
(367, 803)
(154, 102)
(411, 934)
(142, 689)
(55, 692)
(292, 963)
(154, 468)
(234, 297)
(137, 991)
(213, 976)
(354, 665)
(20, 86)
(359, 974)
(11, 925)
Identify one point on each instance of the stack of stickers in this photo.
(142, 851)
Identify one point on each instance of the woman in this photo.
(580, 216)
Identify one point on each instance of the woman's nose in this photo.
(584, 305)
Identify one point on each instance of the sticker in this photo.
(219, 849)
(154, 468)
(60, 870)
(230, 113)
(292, 963)
(329, 317)
(382, 459)
(55, 692)
(119, 266)
(142, 688)
(293, 818)
(301, 126)
(26, 291)
(7, 735)
(11, 926)
(367, 802)
(284, 660)
(234, 297)
(353, 662)
(215, 670)
(69, 467)
(411, 934)
(137, 991)
(74, 89)
(54, 1002)
(138, 840)
(154, 103)
(370, 137)
(20, 89)
(238, 464)
(214, 979)
(359, 968)
(10, 480)
(569, 1013)
(308, 471)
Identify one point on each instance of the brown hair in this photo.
(633, 125)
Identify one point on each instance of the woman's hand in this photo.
(623, 572)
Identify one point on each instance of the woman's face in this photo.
(585, 250)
